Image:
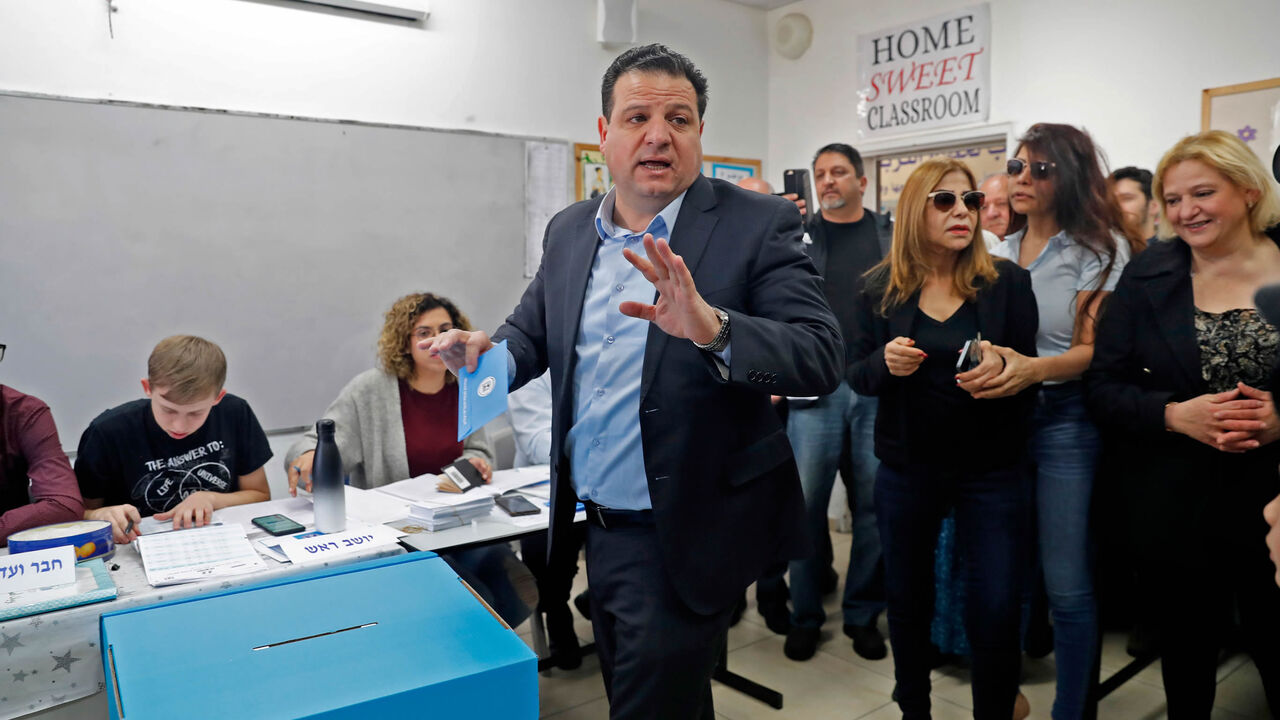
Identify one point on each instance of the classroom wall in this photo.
(1130, 72)
(503, 66)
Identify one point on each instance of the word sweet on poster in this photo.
(926, 74)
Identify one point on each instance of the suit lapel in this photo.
(577, 273)
(688, 240)
(1170, 295)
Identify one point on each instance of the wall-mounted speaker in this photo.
(792, 35)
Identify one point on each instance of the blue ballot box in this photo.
(397, 637)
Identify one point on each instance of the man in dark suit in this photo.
(661, 418)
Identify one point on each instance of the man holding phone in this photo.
(846, 240)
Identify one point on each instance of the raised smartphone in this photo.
(797, 182)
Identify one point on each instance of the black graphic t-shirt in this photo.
(125, 457)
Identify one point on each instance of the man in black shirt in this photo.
(186, 450)
(845, 240)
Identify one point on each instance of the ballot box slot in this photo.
(317, 635)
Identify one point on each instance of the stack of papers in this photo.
(183, 556)
(436, 510)
(446, 515)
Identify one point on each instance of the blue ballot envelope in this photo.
(395, 637)
(482, 395)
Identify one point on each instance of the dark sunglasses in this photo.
(944, 200)
(1040, 170)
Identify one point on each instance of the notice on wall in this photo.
(546, 192)
(926, 74)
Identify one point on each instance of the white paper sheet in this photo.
(202, 553)
(374, 508)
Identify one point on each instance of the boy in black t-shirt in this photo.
(187, 450)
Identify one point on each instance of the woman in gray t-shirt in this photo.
(1074, 245)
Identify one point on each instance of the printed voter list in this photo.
(482, 395)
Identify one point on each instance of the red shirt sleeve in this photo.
(31, 434)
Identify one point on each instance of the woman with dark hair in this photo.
(937, 289)
(1074, 246)
(1182, 373)
(400, 420)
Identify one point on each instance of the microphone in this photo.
(1267, 300)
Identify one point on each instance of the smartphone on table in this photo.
(278, 525)
(516, 505)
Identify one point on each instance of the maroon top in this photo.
(29, 448)
(430, 428)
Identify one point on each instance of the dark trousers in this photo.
(991, 539)
(655, 653)
(1195, 586)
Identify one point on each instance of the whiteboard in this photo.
(282, 239)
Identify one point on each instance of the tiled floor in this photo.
(837, 684)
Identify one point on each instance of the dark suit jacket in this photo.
(725, 491)
(1007, 316)
(1146, 354)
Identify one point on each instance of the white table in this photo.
(54, 658)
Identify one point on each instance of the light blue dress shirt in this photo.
(603, 443)
(1063, 269)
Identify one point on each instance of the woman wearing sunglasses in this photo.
(937, 293)
(1183, 374)
(1074, 247)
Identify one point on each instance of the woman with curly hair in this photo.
(399, 420)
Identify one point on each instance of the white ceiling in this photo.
(764, 4)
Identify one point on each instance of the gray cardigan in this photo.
(370, 433)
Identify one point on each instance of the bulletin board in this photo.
(892, 171)
(730, 169)
(1250, 111)
(593, 179)
(591, 176)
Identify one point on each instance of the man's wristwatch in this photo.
(721, 340)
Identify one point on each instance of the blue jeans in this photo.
(817, 435)
(990, 527)
(1064, 447)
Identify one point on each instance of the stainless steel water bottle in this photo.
(327, 487)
